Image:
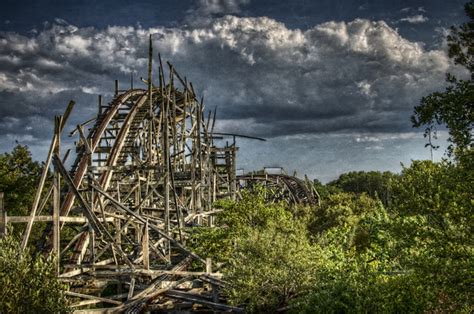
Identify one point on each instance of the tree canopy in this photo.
(454, 107)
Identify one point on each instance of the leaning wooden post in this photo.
(44, 174)
(3, 217)
(56, 194)
(92, 246)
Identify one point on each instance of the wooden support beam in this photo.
(152, 226)
(145, 247)
(44, 174)
(63, 219)
(131, 288)
(3, 216)
(91, 297)
(95, 223)
(56, 197)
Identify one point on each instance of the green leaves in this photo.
(455, 106)
(28, 285)
(352, 254)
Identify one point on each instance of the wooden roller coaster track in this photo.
(146, 170)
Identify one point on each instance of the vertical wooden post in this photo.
(208, 265)
(131, 288)
(208, 271)
(118, 227)
(92, 245)
(199, 156)
(56, 196)
(3, 217)
(233, 169)
(145, 247)
(150, 101)
(116, 87)
(166, 154)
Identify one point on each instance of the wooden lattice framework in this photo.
(146, 170)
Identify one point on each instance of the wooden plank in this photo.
(68, 219)
(131, 288)
(56, 197)
(145, 247)
(44, 174)
(91, 297)
(152, 226)
(3, 216)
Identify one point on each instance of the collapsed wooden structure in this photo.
(146, 171)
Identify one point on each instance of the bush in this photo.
(28, 285)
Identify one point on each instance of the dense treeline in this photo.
(352, 253)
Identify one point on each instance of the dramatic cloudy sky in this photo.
(331, 84)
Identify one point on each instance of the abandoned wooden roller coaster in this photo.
(147, 170)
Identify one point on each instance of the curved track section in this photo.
(282, 188)
(145, 171)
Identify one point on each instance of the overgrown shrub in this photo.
(28, 285)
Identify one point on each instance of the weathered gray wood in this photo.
(131, 288)
(144, 145)
(56, 197)
(90, 297)
(44, 174)
(145, 247)
(67, 219)
(155, 228)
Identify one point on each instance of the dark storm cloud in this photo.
(266, 79)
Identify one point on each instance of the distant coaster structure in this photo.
(147, 170)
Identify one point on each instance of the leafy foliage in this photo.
(461, 40)
(375, 183)
(19, 175)
(454, 106)
(434, 227)
(352, 253)
(28, 285)
(267, 252)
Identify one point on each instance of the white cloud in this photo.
(221, 6)
(266, 79)
(415, 19)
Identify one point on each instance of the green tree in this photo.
(454, 106)
(28, 285)
(432, 228)
(267, 254)
(375, 183)
(19, 176)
